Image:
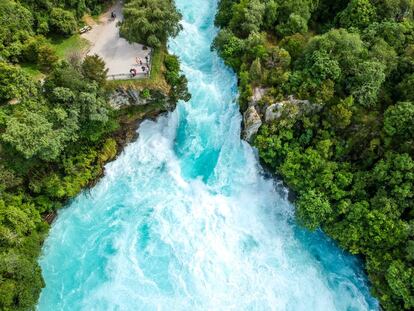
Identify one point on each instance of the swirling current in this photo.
(185, 219)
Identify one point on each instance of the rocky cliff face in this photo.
(252, 122)
(251, 117)
(127, 97)
(259, 112)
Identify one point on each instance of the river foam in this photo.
(185, 219)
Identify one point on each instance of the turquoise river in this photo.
(185, 218)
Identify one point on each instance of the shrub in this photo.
(62, 21)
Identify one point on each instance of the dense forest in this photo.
(344, 141)
(55, 132)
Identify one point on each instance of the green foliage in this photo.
(367, 81)
(145, 94)
(21, 233)
(313, 208)
(348, 154)
(31, 134)
(224, 13)
(15, 27)
(175, 79)
(399, 120)
(247, 17)
(295, 24)
(14, 84)
(62, 21)
(256, 70)
(399, 278)
(150, 22)
(93, 68)
(358, 13)
(294, 44)
(52, 143)
(395, 9)
(229, 47)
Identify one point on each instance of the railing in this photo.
(129, 76)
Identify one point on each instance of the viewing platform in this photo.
(119, 55)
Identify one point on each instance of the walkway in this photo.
(119, 55)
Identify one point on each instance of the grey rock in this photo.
(252, 123)
(258, 93)
(273, 112)
(291, 106)
(121, 98)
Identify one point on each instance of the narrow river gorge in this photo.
(185, 219)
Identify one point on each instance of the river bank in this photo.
(324, 108)
(129, 118)
(184, 219)
(59, 122)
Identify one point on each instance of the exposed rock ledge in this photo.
(256, 114)
(252, 122)
(291, 107)
(126, 97)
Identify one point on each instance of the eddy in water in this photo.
(185, 220)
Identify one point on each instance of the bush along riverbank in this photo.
(54, 144)
(60, 122)
(326, 91)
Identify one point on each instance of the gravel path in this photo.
(119, 55)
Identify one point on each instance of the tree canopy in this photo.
(57, 128)
(150, 22)
(348, 154)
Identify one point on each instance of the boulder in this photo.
(291, 107)
(273, 112)
(252, 123)
(258, 93)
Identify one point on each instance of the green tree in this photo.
(150, 22)
(15, 84)
(94, 69)
(294, 44)
(15, 27)
(312, 209)
(399, 120)
(175, 79)
(62, 21)
(224, 12)
(405, 88)
(366, 82)
(358, 13)
(229, 47)
(340, 115)
(256, 71)
(400, 279)
(395, 9)
(31, 134)
(247, 17)
(294, 24)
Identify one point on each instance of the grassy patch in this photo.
(156, 79)
(65, 46)
(32, 70)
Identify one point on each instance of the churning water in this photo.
(185, 220)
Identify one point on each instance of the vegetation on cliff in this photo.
(56, 133)
(349, 160)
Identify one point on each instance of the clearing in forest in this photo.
(119, 55)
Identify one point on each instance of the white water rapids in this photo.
(185, 220)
